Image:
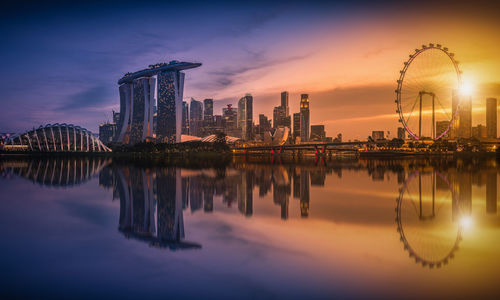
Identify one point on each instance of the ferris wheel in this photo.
(426, 87)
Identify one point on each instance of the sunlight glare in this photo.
(466, 222)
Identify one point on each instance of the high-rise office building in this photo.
(304, 118)
(195, 117)
(230, 117)
(279, 116)
(245, 116)
(401, 133)
(318, 133)
(185, 118)
(454, 109)
(296, 126)
(264, 124)
(116, 117)
(263, 121)
(491, 117)
(137, 116)
(465, 117)
(284, 103)
(208, 112)
(219, 121)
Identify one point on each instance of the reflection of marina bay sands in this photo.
(137, 102)
(151, 206)
(144, 192)
(433, 209)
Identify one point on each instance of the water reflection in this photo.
(435, 196)
(151, 203)
(426, 217)
(54, 171)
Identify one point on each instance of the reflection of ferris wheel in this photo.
(425, 221)
(425, 90)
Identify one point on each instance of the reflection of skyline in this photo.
(153, 200)
(235, 184)
(151, 203)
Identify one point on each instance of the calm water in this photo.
(265, 229)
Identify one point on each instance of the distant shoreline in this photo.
(215, 154)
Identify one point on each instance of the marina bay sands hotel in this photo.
(137, 101)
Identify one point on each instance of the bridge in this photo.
(318, 148)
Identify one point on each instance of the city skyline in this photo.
(345, 78)
(349, 149)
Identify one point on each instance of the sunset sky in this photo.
(61, 61)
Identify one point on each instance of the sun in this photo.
(466, 88)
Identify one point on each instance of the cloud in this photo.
(96, 96)
(248, 69)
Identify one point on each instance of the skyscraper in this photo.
(137, 116)
(141, 125)
(185, 117)
(208, 112)
(116, 117)
(304, 118)
(170, 92)
(465, 117)
(264, 124)
(195, 117)
(284, 103)
(245, 116)
(231, 120)
(491, 118)
(296, 126)
(279, 116)
(454, 110)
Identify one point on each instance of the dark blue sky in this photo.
(61, 60)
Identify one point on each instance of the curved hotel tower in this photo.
(137, 99)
